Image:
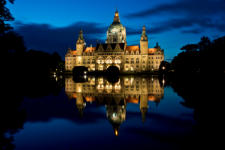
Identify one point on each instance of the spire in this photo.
(81, 37)
(144, 37)
(116, 19)
(157, 45)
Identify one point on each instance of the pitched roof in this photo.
(89, 49)
(132, 48)
(152, 50)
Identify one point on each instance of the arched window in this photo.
(117, 60)
(108, 60)
(100, 60)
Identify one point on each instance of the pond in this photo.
(128, 112)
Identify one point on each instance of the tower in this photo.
(144, 42)
(80, 45)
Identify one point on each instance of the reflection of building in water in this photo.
(137, 90)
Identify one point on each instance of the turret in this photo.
(144, 42)
(80, 45)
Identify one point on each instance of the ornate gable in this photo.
(100, 48)
(117, 48)
(109, 47)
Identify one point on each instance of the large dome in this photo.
(116, 32)
(114, 28)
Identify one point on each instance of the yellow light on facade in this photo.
(117, 87)
(108, 86)
(117, 61)
(79, 90)
(132, 68)
(79, 58)
(109, 61)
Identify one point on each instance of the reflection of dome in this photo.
(116, 32)
(116, 114)
(116, 117)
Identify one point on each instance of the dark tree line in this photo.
(195, 74)
(25, 73)
(205, 57)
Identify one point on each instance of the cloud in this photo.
(50, 39)
(197, 24)
(188, 7)
(205, 14)
(132, 31)
(192, 31)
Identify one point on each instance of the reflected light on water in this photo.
(116, 96)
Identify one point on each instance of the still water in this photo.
(132, 112)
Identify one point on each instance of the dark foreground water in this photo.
(127, 113)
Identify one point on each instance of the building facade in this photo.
(115, 52)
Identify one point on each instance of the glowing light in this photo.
(100, 67)
(163, 81)
(109, 61)
(132, 80)
(79, 58)
(117, 87)
(114, 115)
(116, 132)
(79, 90)
(100, 81)
(117, 61)
(132, 68)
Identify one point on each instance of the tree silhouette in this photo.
(204, 43)
(205, 56)
(190, 47)
(5, 15)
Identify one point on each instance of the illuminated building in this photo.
(115, 52)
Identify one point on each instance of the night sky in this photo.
(53, 25)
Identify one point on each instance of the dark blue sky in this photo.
(53, 25)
